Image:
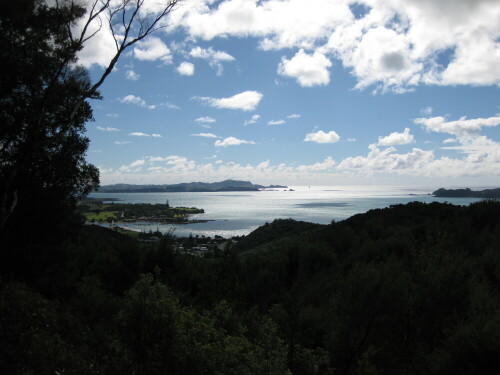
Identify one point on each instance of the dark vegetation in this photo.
(410, 289)
(467, 193)
(227, 185)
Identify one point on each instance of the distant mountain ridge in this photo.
(467, 193)
(226, 185)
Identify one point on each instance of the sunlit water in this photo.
(239, 213)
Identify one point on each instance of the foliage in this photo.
(409, 289)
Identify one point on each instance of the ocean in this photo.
(239, 213)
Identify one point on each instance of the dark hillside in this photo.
(277, 230)
(410, 289)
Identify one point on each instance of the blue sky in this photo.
(300, 92)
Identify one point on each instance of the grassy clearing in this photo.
(130, 233)
(104, 215)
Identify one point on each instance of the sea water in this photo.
(239, 213)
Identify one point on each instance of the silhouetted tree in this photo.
(43, 94)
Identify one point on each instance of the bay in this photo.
(239, 213)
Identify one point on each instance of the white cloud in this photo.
(205, 119)
(322, 137)
(137, 163)
(309, 70)
(427, 111)
(396, 45)
(396, 138)
(387, 161)
(131, 75)
(292, 116)
(449, 140)
(112, 115)
(462, 127)
(98, 50)
(276, 122)
(206, 135)
(107, 129)
(326, 164)
(103, 170)
(246, 101)
(152, 49)
(232, 141)
(122, 142)
(137, 100)
(185, 69)
(282, 24)
(210, 54)
(169, 105)
(140, 134)
(252, 120)
(213, 57)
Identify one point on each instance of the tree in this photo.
(44, 94)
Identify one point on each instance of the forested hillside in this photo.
(409, 289)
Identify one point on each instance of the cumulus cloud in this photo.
(326, 164)
(388, 161)
(232, 141)
(131, 75)
(98, 50)
(152, 49)
(276, 122)
(395, 45)
(185, 69)
(205, 119)
(252, 120)
(462, 127)
(136, 100)
(396, 138)
(175, 166)
(245, 101)
(137, 163)
(206, 135)
(292, 116)
(213, 57)
(322, 137)
(107, 129)
(309, 70)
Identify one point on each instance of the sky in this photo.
(317, 92)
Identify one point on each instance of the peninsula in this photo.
(227, 185)
(100, 210)
(467, 193)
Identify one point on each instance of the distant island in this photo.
(227, 185)
(467, 193)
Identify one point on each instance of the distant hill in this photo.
(227, 185)
(467, 193)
